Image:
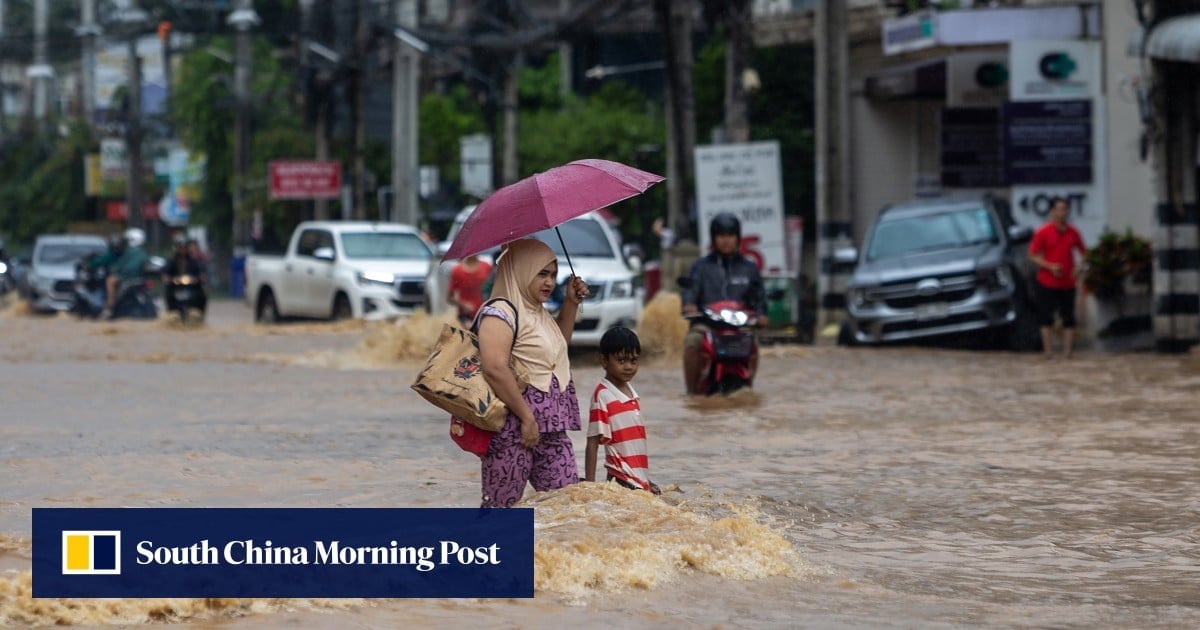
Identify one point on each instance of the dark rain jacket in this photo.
(715, 278)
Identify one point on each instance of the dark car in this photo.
(942, 266)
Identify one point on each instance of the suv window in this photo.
(391, 245)
(63, 253)
(312, 240)
(944, 230)
(584, 238)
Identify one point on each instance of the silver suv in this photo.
(51, 274)
(942, 266)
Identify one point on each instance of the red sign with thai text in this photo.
(305, 179)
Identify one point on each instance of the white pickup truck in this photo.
(340, 270)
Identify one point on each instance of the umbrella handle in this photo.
(565, 252)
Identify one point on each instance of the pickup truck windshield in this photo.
(585, 238)
(60, 253)
(384, 245)
(944, 230)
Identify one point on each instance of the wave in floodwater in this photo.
(592, 539)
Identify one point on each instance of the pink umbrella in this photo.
(547, 200)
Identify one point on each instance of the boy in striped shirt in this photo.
(615, 419)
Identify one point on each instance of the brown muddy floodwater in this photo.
(894, 487)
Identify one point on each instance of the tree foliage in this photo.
(41, 183)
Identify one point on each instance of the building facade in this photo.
(1028, 102)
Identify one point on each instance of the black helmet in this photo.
(724, 223)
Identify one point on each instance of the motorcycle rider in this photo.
(183, 263)
(128, 266)
(95, 272)
(723, 274)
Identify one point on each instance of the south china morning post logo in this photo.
(91, 552)
(276, 552)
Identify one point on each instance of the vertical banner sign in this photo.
(745, 180)
(278, 552)
(1054, 132)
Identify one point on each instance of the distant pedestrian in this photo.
(1053, 250)
(615, 418)
(466, 286)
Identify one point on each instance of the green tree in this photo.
(614, 123)
(782, 109)
(444, 118)
(42, 188)
(203, 109)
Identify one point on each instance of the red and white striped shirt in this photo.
(617, 419)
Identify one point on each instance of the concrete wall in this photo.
(883, 157)
(1130, 185)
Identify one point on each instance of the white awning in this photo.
(1175, 39)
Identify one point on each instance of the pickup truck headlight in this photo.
(621, 289)
(375, 278)
(999, 277)
(858, 297)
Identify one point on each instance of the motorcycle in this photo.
(89, 290)
(729, 348)
(135, 297)
(185, 293)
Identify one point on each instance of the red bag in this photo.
(469, 437)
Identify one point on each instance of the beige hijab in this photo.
(539, 345)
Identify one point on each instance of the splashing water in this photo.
(600, 537)
(661, 329)
(382, 346)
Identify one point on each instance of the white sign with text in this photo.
(745, 180)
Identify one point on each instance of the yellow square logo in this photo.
(91, 552)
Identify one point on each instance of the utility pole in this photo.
(88, 30)
(359, 212)
(164, 38)
(40, 72)
(316, 92)
(565, 50)
(406, 71)
(509, 166)
(242, 19)
(3, 91)
(832, 156)
(132, 19)
(133, 134)
(675, 19)
(739, 21)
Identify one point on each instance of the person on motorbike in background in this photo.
(129, 265)
(183, 263)
(723, 274)
(98, 268)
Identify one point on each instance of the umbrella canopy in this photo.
(546, 200)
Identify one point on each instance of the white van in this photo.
(616, 293)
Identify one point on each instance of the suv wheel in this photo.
(846, 335)
(1024, 335)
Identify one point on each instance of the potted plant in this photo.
(1115, 259)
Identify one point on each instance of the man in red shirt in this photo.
(466, 287)
(1053, 251)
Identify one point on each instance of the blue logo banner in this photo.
(282, 552)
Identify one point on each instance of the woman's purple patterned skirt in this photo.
(550, 465)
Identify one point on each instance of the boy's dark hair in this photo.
(620, 340)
